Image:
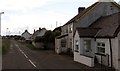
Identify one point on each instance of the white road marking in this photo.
(32, 63)
(25, 55)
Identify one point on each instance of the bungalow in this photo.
(26, 35)
(84, 18)
(38, 33)
(99, 42)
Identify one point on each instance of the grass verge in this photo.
(5, 45)
(30, 46)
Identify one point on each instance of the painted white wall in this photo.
(26, 36)
(107, 51)
(57, 46)
(83, 59)
(88, 61)
(80, 58)
(42, 32)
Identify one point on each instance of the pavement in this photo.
(21, 57)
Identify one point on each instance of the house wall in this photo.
(115, 43)
(81, 58)
(119, 52)
(26, 36)
(70, 37)
(107, 52)
(64, 29)
(116, 52)
(42, 32)
(102, 9)
(58, 48)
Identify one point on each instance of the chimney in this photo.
(34, 30)
(80, 9)
(39, 29)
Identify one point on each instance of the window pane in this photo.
(103, 50)
(103, 44)
(98, 44)
(87, 45)
(76, 45)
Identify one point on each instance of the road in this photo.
(21, 57)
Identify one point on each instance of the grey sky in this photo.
(32, 14)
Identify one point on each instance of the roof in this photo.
(26, 31)
(104, 27)
(109, 24)
(61, 36)
(57, 29)
(84, 12)
(87, 32)
(37, 32)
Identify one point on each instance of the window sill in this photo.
(118, 59)
(76, 51)
(87, 56)
(100, 54)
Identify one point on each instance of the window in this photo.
(87, 45)
(70, 29)
(76, 46)
(101, 47)
(63, 43)
(70, 43)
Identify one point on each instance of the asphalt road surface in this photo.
(21, 57)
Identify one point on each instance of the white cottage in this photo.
(99, 42)
(26, 35)
(85, 17)
(38, 33)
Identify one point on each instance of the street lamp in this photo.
(0, 21)
(0, 43)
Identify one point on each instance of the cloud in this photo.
(21, 4)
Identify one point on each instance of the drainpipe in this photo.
(111, 53)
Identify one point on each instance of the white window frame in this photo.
(70, 28)
(76, 46)
(101, 46)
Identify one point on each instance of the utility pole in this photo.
(0, 21)
(0, 42)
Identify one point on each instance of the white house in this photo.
(85, 17)
(26, 35)
(38, 33)
(99, 42)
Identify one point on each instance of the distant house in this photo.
(84, 18)
(38, 33)
(58, 29)
(100, 42)
(26, 35)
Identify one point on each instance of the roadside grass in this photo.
(5, 45)
(29, 45)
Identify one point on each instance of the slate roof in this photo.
(87, 32)
(26, 31)
(108, 26)
(84, 12)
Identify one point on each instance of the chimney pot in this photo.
(80, 9)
